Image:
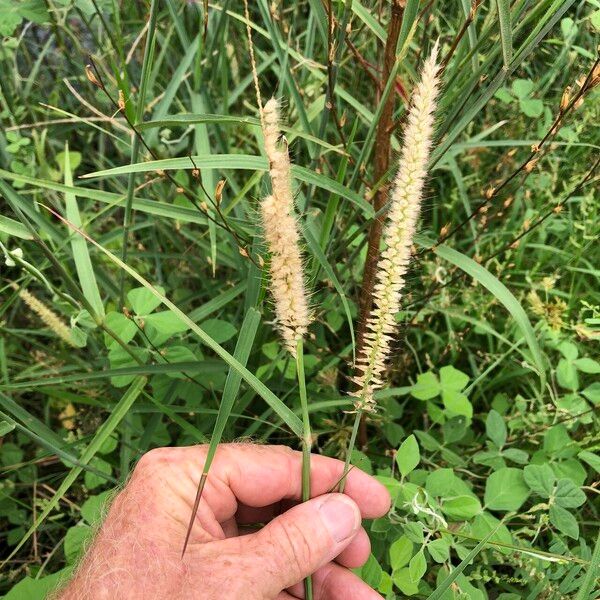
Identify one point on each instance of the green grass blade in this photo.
(451, 578)
(14, 228)
(103, 433)
(505, 30)
(585, 591)
(81, 255)
(241, 353)
(369, 20)
(289, 418)
(316, 250)
(209, 179)
(151, 207)
(409, 23)
(502, 294)
(139, 114)
(238, 161)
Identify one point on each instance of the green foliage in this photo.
(487, 436)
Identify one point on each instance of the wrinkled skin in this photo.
(137, 552)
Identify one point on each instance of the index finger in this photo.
(262, 475)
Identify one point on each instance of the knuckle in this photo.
(150, 460)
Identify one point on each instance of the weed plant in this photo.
(139, 278)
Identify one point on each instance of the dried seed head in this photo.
(530, 165)
(566, 98)
(405, 203)
(219, 191)
(121, 101)
(89, 73)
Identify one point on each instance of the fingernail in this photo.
(341, 516)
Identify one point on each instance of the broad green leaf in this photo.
(461, 508)
(143, 301)
(564, 521)
(457, 403)
(404, 582)
(591, 459)
(93, 508)
(444, 483)
(75, 541)
(453, 379)
(119, 323)
(540, 479)
(558, 443)
(94, 479)
(30, 588)
(495, 428)
(427, 386)
(180, 354)
(515, 455)
(568, 350)
(505, 490)
(566, 375)
(522, 87)
(162, 325)
(587, 365)
(219, 330)
(568, 495)
(531, 107)
(439, 550)
(371, 572)
(417, 566)
(485, 523)
(408, 455)
(592, 392)
(401, 552)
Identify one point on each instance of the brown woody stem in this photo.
(382, 163)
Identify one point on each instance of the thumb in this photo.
(303, 539)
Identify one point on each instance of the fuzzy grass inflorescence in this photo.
(405, 204)
(48, 316)
(282, 237)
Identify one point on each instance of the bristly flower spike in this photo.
(282, 237)
(48, 316)
(405, 204)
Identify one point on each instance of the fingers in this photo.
(302, 540)
(262, 475)
(333, 582)
(357, 552)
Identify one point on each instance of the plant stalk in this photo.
(306, 443)
(382, 164)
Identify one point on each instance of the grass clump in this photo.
(131, 194)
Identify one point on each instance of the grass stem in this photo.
(351, 444)
(306, 442)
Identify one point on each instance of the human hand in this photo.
(137, 552)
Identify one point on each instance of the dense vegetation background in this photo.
(489, 429)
